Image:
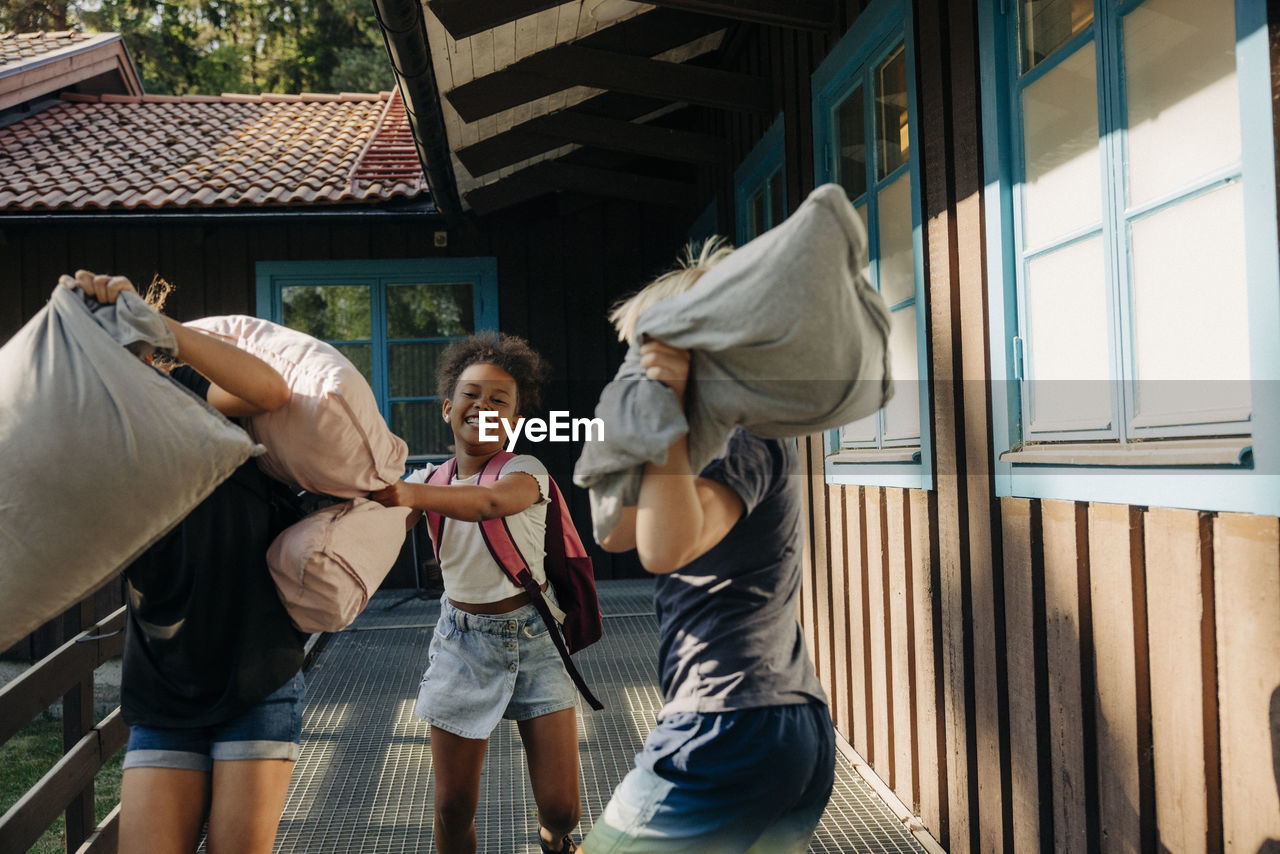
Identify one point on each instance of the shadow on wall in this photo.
(1272, 846)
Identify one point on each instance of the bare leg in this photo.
(456, 763)
(551, 746)
(162, 810)
(248, 797)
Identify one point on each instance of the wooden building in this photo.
(1043, 585)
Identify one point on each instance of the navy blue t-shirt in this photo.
(728, 634)
(207, 637)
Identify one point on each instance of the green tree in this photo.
(29, 16)
(213, 46)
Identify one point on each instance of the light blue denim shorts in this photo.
(270, 730)
(482, 668)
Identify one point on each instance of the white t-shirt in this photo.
(470, 572)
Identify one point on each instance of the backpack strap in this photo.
(502, 546)
(441, 476)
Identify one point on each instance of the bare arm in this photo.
(241, 383)
(679, 516)
(511, 494)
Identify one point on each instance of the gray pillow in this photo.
(102, 456)
(788, 338)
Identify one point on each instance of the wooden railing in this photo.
(67, 788)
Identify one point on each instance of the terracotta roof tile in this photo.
(21, 47)
(166, 152)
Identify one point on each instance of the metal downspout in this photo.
(405, 34)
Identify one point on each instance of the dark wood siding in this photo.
(561, 263)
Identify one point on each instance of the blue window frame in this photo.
(864, 109)
(760, 186)
(393, 319)
(1134, 280)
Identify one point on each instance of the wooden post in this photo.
(1123, 699)
(77, 719)
(1068, 652)
(901, 652)
(1184, 707)
(1247, 600)
(881, 758)
(1021, 542)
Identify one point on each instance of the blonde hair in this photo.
(158, 293)
(689, 268)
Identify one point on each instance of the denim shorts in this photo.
(482, 668)
(754, 780)
(270, 730)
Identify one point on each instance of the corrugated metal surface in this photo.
(364, 782)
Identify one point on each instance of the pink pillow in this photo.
(329, 438)
(327, 565)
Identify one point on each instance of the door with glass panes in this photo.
(393, 320)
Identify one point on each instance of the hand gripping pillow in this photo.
(327, 565)
(102, 454)
(788, 338)
(329, 438)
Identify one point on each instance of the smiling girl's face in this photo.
(481, 388)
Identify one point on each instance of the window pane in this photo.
(1049, 24)
(864, 433)
(412, 368)
(902, 414)
(893, 139)
(755, 215)
(777, 199)
(897, 260)
(851, 144)
(1184, 107)
(419, 423)
(361, 355)
(1061, 188)
(861, 434)
(1068, 360)
(430, 311)
(1191, 309)
(861, 211)
(328, 312)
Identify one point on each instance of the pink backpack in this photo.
(567, 566)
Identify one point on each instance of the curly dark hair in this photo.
(509, 352)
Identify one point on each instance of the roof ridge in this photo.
(390, 154)
(229, 98)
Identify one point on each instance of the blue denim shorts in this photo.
(482, 668)
(754, 780)
(270, 730)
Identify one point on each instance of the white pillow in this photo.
(329, 438)
(327, 565)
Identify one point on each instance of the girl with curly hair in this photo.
(492, 655)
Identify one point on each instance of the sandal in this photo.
(569, 846)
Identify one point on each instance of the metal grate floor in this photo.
(363, 782)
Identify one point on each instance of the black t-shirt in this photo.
(728, 634)
(207, 637)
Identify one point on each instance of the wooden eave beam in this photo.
(646, 35)
(569, 65)
(463, 18)
(545, 133)
(817, 15)
(555, 176)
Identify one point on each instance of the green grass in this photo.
(26, 757)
